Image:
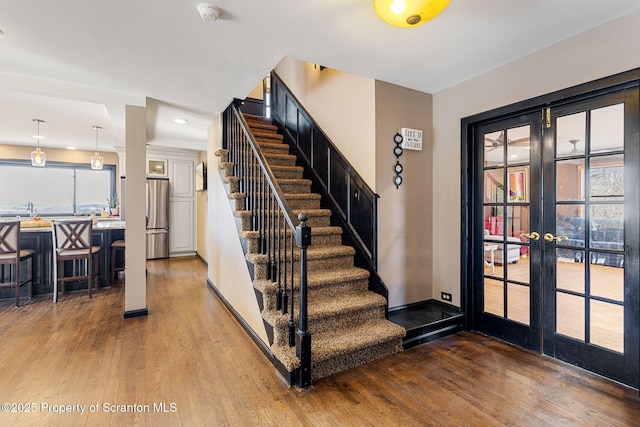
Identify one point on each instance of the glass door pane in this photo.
(506, 300)
(590, 215)
(588, 300)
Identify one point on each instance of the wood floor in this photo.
(607, 326)
(191, 355)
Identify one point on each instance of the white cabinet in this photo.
(179, 166)
(182, 228)
(182, 219)
(182, 177)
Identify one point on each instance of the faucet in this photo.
(30, 209)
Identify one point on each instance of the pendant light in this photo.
(409, 13)
(38, 158)
(97, 161)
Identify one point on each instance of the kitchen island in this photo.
(38, 236)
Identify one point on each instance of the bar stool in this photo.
(117, 245)
(73, 243)
(10, 254)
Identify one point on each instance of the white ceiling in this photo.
(76, 63)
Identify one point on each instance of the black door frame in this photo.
(469, 202)
(527, 336)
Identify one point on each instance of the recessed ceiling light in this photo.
(38, 136)
(71, 148)
(180, 121)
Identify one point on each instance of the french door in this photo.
(556, 232)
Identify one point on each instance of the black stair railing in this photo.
(279, 231)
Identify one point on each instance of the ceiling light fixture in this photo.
(97, 161)
(38, 158)
(180, 121)
(208, 12)
(409, 13)
(575, 143)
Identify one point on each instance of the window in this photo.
(57, 189)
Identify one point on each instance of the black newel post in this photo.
(303, 341)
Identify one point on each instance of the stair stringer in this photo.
(227, 265)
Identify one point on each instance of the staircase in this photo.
(346, 320)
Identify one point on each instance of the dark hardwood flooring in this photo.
(191, 355)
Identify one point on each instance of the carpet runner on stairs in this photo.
(347, 321)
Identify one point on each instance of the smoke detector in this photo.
(208, 12)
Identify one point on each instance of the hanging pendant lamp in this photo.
(97, 161)
(409, 13)
(38, 157)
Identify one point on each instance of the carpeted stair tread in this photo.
(235, 195)
(313, 213)
(327, 277)
(294, 181)
(242, 214)
(345, 305)
(287, 171)
(280, 159)
(317, 231)
(319, 279)
(303, 196)
(313, 253)
(317, 217)
(227, 167)
(328, 252)
(268, 147)
(268, 135)
(257, 118)
(341, 310)
(328, 344)
(262, 126)
(230, 179)
(322, 236)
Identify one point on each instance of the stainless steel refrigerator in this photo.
(157, 218)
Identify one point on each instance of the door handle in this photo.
(534, 235)
(550, 237)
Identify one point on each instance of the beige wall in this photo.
(404, 213)
(257, 92)
(22, 152)
(201, 212)
(606, 50)
(342, 104)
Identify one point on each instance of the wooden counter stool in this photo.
(11, 254)
(117, 245)
(73, 242)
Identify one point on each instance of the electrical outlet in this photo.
(445, 296)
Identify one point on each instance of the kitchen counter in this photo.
(37, 235)
(109, 225)
(30, 225)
